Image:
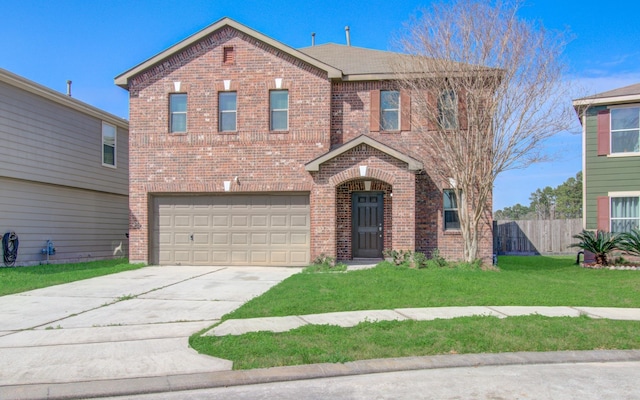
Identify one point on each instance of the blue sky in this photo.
(92, 41)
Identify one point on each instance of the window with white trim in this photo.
(279, 110)
(450, 206)
(389, 110)
(109, 134)
(625, 213)
(178, 112)
(227, 104)
(625, 130)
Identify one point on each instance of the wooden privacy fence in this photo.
(535, 236)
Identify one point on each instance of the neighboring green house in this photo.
(611, 159)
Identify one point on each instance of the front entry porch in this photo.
(363, 219)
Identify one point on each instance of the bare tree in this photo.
(488, 90)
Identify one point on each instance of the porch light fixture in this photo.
(363, 170)
(367, 185)
(227, 186)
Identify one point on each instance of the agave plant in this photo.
(630, 242)
(600, 243)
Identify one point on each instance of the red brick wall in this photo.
(321, 114)
(202, 158)
(350, 109)
(331, 199)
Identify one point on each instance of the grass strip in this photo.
(21, 279)
(522, 281)
(331, 344)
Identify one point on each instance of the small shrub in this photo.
(325, 260)
(437, 259)
(398, 257)
(600, 243)
(420, 260)
(324, 263)
(630, 242)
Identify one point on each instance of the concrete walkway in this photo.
(128, 325)
(353, 318)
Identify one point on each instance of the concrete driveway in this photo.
(126, 325)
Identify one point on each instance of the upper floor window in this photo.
(625, 214)
(390, 110)
(279, 110)
(450, 206)
(625, 130)
(448, 109)
(108, 144)
(227, 104)
(178, 112)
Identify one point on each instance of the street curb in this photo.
(173, 383)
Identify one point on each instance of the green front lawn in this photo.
(524, 281)
(20, 279)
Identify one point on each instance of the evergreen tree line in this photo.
(562, 202)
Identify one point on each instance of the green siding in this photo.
(605, 174)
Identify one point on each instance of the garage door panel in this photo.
(259, 238)
(240, 221)
(245, 229)
(299, 238)
(182, 256)
(220, 239)
(164, 221)
(239, 257)
(278, 257)
(299, 257)
(299, 220)
(220, 221)
(220, 257)
(259, 221)
(259, 257)
(278, 221)
(182, 221)
(201, 238)
(201, 221)
(201, 257)
(181, 238)
(239, 239)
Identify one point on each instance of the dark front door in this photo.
(367, 214)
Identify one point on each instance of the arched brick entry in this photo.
(344, 235)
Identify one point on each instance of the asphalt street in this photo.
(584, 381)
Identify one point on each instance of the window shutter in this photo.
(374, 117)
(604, 133)
(462, 110)
(405, 110)
(603, 213)
(432, 115)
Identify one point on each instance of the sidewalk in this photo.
(353, 318)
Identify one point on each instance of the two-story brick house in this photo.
(246, 151)
(611, 159)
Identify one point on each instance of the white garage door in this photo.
(255, 229)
